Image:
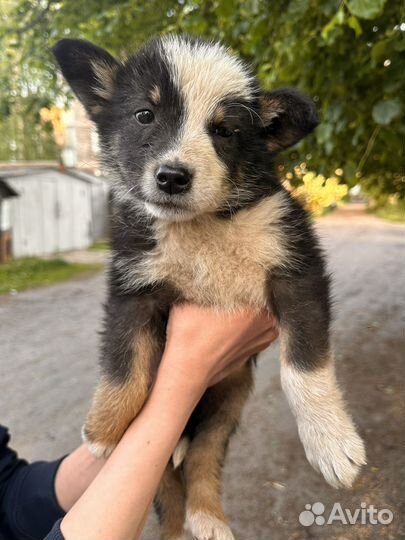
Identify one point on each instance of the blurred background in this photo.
(349, 55)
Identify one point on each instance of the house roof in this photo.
(85, 176)
(27, 170)
(6, 190)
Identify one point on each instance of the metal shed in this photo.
(55, 210)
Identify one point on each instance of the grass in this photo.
(100, 245)
(33, 272)
(391, 212)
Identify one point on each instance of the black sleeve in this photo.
(28, 504)
(55, 533)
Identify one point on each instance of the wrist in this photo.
(74, 475)
(172, 400)
(182, 373)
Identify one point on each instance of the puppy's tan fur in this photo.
(124, 400)
(105, 75)
(155, 95)
(216, 262)
(172, 503)
(203, 485)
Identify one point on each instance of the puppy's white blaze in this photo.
(180, 452)
(328, 435)
(206, 72)
(194, 148)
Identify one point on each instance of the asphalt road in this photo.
(48, 357)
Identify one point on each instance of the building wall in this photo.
(100, 225)
(81, 141)
(52, 213)
(5, 214)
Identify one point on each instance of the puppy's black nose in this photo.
(173, 180)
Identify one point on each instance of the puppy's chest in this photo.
(214, 271)
(216, 262)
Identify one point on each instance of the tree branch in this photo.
(36, 20)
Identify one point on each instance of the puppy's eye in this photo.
(145, 116)
(222, 131)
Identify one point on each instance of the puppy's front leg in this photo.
(131, 351)
(329, 437)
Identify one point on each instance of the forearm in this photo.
(115, 504)
(75, 474)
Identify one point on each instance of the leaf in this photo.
(400, 44)
(340, 16)
(366, 9)
(336, 20)
(380, 50)
(354, 24)
(385, 111)
(297, 8)
(225, 8)
(324, 133)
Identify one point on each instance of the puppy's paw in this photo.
(334, 448)
(97, 448)
(204, 526)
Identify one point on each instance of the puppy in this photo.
(200, 216)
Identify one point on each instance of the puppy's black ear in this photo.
(287, 116)
(89, 70)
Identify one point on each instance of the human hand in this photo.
(204, 345)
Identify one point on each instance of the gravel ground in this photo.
(48, 356)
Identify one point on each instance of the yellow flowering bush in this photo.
(319, 193)
(54, 115)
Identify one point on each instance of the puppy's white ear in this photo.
(89, 70)
(287, 116)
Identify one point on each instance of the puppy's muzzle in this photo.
(173, 180)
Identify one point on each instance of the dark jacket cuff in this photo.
(28, 504)
(55, 533)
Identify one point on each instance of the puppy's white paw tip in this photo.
(203, 526)
(98, 450)
(180, 452)
(337, 453)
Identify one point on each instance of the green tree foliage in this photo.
(349, 55)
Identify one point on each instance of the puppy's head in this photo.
(183, 124)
